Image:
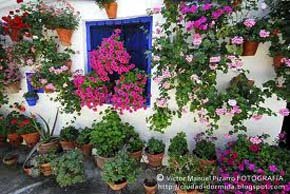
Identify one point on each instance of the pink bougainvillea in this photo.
(91, 90)
(129, 92)
(110, 57)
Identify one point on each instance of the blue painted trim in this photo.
(136, 20)
(30, 87)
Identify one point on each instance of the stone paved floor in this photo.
(13, 181)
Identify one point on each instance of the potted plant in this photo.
(65, 22)
(110, 6)
(83, 141)
(278, 51)
(3, 130)
(47, 139)
(253, 31)
(14, 139)
(27, 130)
(178, 145)
(120, 171)
(205, 148)
(155, 152)
(68, 136)
(44, 162)
(150, 183)
(31, 98)
(109, 137)
(135, 147)
(69, 168)
(188, 167)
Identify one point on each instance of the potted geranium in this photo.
(155, 152)
(44, 162)
(28, 130)
(31, 98)
(111, 7)
(120, 171)
(12, 126)
(178, 145)
(187, 168)
(278, 51)
(83, 141)
(3, 130)
(65, 22)
(109, 137)
(205, 148)
(253, 31)
(68, 136)
(135, 147)
(69, 168)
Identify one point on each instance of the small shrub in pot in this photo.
(178, 145)
(135, 146)
(83, 141)
(155, 152)
(68, 136)
(205, 148)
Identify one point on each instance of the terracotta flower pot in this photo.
(64, 36)
(277, 61)
(236, 3)
(67, 145)
(15, 140)
(48, 90)
(45, 169)
(118, 187)
(44, 148)
(155, 160)
(111, 9)
(10, 160)
(31, 139)
(150, 188)
(101, 161)
(27, 170)
(2, 140)
(13, 88)
(86, 149)
(250, 48)
(136, 155)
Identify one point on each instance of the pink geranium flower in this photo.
(249, 23)
(197, 39)
(284, 112)
(238, 40)
(264, 34)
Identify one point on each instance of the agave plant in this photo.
(46, 132)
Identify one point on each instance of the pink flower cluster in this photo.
(162, 102)
(264, 34)
(249, 23)
(234, 62)
(129, 94)
(58, 71)
(90, 96)
(286, 61)
(235, 109)
(110, 57)
(238, 40)
(197, 39)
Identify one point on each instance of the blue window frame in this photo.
(137, 37)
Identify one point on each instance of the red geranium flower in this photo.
(26, 122)
(19, 1)
(13, 122)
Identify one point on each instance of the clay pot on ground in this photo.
(101, 161)
(15, 140)
(44, 148)
(10, 159)
(31, 139)
(111, 9)
(150, 187)
(136, 155)
(64, 36)
(27, 170)
(250, 48)
(277, 61)
(86, 149)
(13, 88)
(67, 145)
(46, 169)
(118, 186)
(155, 160)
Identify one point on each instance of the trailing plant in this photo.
(205, 147)
(178, 145)
(121, 168)
(84, 136)
(110, 134)
(69, 133)
(101, 3)
(155, 146)
(69, 168)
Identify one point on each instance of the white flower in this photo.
(64, 85)
(232, 102)
(189, 58)
(34, 37)
(264, 5)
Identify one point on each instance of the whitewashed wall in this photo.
(259, 66)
